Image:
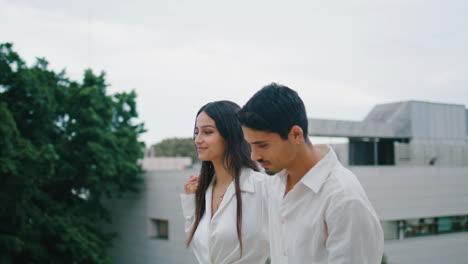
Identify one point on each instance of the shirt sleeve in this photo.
(188, 210)
(354, 234)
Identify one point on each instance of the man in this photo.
(318, 211)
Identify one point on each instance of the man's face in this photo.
(270, 150)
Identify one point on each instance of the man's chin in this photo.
(270, 172)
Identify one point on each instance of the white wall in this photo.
(159, 199)
(412, 192)
(396, 194)
(438, 121)
(443, 249)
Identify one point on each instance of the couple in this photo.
(313, 210)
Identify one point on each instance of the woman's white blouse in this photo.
(215, 240)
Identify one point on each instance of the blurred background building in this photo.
(411, 158)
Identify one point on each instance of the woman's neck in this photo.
(223, 177)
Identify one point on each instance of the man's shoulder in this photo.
(343, 184)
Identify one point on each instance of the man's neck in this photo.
(306, 159)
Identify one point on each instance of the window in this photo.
(444, 224)
(418, 227)
(159, 229)
(460, 223)
(372, 151)
(390, 229)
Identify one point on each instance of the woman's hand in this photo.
(191, 185)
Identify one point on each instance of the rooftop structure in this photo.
(410, 157)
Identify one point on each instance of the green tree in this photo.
(176, 147)
(384, 260)
(64, 146)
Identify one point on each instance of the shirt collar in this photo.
(245, 181)
(318, 174)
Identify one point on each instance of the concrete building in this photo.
(165, 163)
(411, 158)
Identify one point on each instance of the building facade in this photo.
(410, 157)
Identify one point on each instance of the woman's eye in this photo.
(262, 146)
(208, 132)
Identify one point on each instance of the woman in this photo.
(225, 207)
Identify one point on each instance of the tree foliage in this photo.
(175, 147)
(384, 260)
(64, 146)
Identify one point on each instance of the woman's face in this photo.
(208, 140)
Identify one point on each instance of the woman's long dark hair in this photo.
(236, 156)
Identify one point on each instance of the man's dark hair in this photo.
(275, 108)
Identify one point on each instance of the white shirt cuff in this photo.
(188, 204)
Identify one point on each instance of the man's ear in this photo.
(296, 134)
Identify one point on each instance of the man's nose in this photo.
(254, 155)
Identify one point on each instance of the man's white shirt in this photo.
(325, 218)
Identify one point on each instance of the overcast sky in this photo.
(342, 57)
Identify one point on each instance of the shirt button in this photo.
(285, 252)
(283, 220)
